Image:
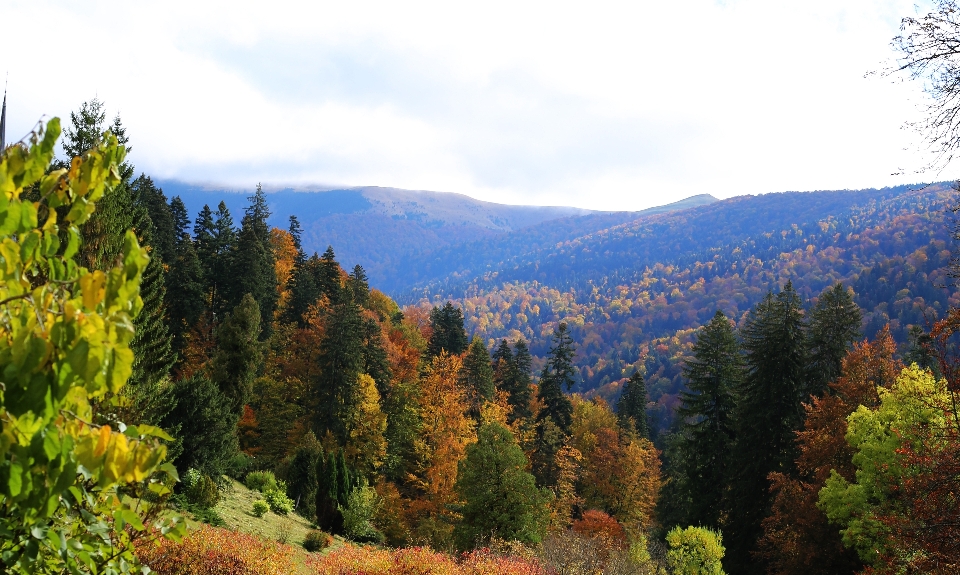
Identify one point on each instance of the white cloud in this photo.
(611, 105)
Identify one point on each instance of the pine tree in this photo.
(512, 374)
(237, 357)
(301, 477)
(713, 373)
(215, 240)
(501, 499)
(448, 332)
(834, 326)
(501, 361)
(767, 415)
(251, 261)
(548, 441)
(632, 406)
(376, 364)
(476, 377)
(359, 285)
(557, 373)
(304, 290)
(185, 293)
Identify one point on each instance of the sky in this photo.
(601, 105)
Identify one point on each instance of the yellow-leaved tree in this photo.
(73, 495)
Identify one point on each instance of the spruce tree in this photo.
(237, 357)
(476, 376)
(557, 374)
(834, 326)
(376, 363)
(148, 196)
(501, 361)
(301, 477)
(252, 262)
(448, 332)
(152, 344)
(767, 414)
(204, 426)
(501, 499)
(701, 458)
(215, 241)
(518, 383)
(359, 285)
(632, 406)
(340, 362)
(185, 293)
(327, 275)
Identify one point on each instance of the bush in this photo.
(238, 465)
(213, 551)
(695, 551)
(278, 501)
(317, 541)
(200, 490)
(261, 481)
(599, 525)
(260, 508)
(349, 560)
(362, 504)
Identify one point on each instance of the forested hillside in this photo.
(633, 293)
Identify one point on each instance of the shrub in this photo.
(362, 504)
(349, 560)
(260, 508)
(261, 481)
(317, 541)
(694, 551)
(213, 551)
(599, 525)
(278, 501)
(200, 490)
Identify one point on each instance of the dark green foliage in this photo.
(185, 291)
(165, 232)
(301, 476)
(448, 332)
(511, 373)
(304, 290)
(341, 361)
(700, 458)
(215, 239)
(152, 345)
(252, 262)
(834, 326)
(335, 480)
(919, 350)
(237, 357)
(204, 426)
(402, 408)
(767, 414)
(358, 285)
(548, 441)
(327, 275)
(632, 406)
(376, 364)
(476, 376)
(557, 373)
(501, 499)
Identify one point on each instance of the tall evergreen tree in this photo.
(148, 196)
(204, 426)
(327, 275)
(500, 497)
(768, 412)
(448, 332)
(180, 218)
(237, 357)
(834, 326)
(341, 361)
(252, 262)
(185, 293)
(476, 376)
(512, 375)
(632, 406)
(215, 239)
(558, 373)
(713, 373)
(359, 285)
(376, 363)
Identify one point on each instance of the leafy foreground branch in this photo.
(73, 495)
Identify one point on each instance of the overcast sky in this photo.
(604, 105)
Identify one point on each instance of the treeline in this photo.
(283, 369)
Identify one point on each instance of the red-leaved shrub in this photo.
(213, 551)
(597, 524)
(350, 560)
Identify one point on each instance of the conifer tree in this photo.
(204, 426)
(767, 415)
(376, 364)
(359, 285)
(215, 240)
(185, 293)
(557, 374)
(548, 441)
(476, 377)
(632, 406)
(512, 375)
(341, 361)
(180, 218)
(148, 196)
(301, 477)
(501, 361)
(834, 326)
(252, 262)
(501, 499)
(237, 357)
(327, 275)
(304, 290)
(448, 332)
(152, 344)
(713, 373)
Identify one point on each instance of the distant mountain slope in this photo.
(395, 233)
(634, 293)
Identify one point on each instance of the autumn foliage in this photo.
(214, 551)
(421, 561)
